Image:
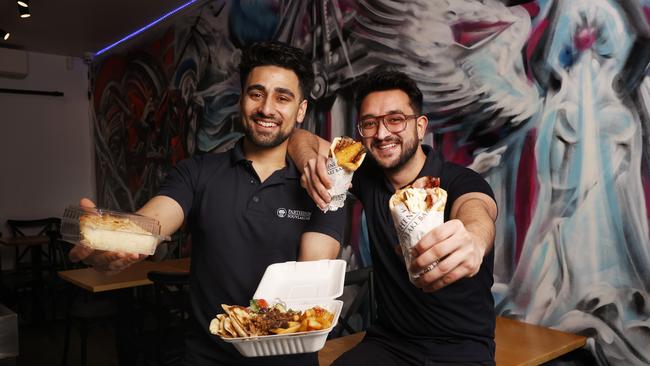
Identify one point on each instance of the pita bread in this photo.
(238, 318)
(215, 326)
(227, 326)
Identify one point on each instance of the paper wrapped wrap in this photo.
(346, 155)
(416, 210)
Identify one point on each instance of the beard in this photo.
(265, 140)
(409, 148)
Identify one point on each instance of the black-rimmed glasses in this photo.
(394, 122)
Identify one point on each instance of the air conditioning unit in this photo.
(13, 63)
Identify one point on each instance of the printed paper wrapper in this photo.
(411, 227)
(341, 179)
(416, 210)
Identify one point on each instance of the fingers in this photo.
(122, 262)
(321, 170)
(456, 253)
(315, 183)
(449, 270)
(437, 235)
(320, 180)
(308, 183)
(79, 253)
(111, 262)
(437, 252)
(85, 202)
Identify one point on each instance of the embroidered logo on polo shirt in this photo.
(293, 214)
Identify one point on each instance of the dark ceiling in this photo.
(74, 27)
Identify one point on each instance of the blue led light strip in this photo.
(165, 16)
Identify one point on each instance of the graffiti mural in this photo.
(547, 99)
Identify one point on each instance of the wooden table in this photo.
(518, 344)
(135, 275)
(526, 344)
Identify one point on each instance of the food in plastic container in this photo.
(111, 230)
(303, 290)
(260, 319)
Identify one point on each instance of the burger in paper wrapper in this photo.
(416, 210)
(346, 156)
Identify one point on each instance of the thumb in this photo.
(79, 253)
(85, 202)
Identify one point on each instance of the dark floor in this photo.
(41, 342)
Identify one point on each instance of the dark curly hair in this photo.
(389, 79)
(273, 53)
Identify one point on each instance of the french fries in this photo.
(239, 321)
(292, 328)
(316, 318)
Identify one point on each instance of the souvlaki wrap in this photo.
(346, 156)
(416, 210)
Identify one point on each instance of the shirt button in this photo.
(252, 181)
(256, 199)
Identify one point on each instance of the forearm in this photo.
(167, 211)
(304, 145)
(477, 212)
(315, 246)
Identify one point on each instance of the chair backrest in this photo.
(50, 227)
(46, 226)
(363, 303)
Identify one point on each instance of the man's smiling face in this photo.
(391, 150)
(271, 104)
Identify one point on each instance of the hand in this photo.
(315, 180)
(110, 262)
(458, 252)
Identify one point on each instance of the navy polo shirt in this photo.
(455, 323)
(239, 226)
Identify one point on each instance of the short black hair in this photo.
(273, 53)
(389, 79)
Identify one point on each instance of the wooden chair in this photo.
(49, 227)
(26, 283)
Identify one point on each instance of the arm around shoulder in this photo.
(304, 146)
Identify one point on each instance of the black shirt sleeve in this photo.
(181, 182)
(331, 223)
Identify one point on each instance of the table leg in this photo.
(37, 282)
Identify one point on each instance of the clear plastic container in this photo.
(111, 230)
(300, 285)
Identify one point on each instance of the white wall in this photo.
(46, 153)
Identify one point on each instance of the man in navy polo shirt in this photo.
(447, 317)
(245, 207)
